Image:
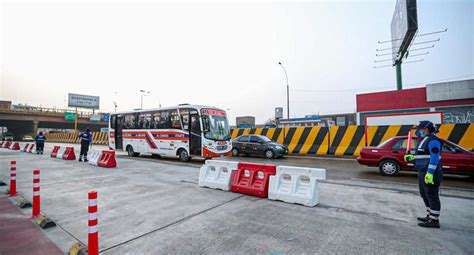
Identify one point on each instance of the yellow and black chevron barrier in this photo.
(97, 138)
(348, 140)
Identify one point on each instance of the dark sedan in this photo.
(257, 145)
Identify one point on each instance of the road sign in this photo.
(70, 116)
(404, 27)
(278, 112)
(104, 130)
(83, 101)
(95, 117)
(106, 117)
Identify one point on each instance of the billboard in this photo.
(83, 101)
(404, 27)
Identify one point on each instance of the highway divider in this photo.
(348, 140)
(103, 158)
(297, 185)
(100, 138)
(216, 174)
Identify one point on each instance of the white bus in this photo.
(183, 131)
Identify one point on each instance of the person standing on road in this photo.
(430, 174)
(39, 140)
(86, 141)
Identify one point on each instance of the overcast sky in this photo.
(221, 53)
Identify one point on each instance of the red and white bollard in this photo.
(93, 238)
(36, 194)
(12, 179)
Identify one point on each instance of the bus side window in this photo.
(144, 120)
(156, 120)
(184, 118)
(130, 121)
(174, 118)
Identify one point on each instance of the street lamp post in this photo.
(142, 94)
(287, 91)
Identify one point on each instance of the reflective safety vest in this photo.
(423, 155)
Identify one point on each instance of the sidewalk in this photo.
(18, 235)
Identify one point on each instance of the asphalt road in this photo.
(336, 168)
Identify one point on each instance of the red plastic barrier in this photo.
(69, 154)
(252, 179)
(107, 159)
(32, 146)
(16, 147)
(7, 144)
(55, 151)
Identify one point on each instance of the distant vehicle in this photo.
(8, 137)
(28, 138)
(183, 131)
(388, 157)
(257, 145)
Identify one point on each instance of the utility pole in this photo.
(287, 91)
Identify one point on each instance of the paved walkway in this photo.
(18, 235)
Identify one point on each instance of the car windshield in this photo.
(385, 143)
(215, 125)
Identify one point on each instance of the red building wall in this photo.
(401, 99)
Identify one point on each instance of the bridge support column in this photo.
(35, 127)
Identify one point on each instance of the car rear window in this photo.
(385, 142)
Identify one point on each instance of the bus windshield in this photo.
(215, 126)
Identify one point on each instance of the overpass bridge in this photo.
(27, 121)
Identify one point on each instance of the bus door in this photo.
(118, 132)
(194, 135)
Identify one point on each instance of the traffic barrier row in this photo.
(103, 158)
(17, 146)
(348, 140)
(97, 137)
(296, 185)
(66, 153)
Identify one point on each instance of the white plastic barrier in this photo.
(61, 152)
(23, 147)
(11, 145)
(94, 159)
(296, 185)
(216, 174)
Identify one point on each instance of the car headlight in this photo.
(278, 147)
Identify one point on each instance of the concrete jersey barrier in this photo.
(348, 140)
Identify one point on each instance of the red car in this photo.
(388, 157)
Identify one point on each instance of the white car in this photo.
(28, 138)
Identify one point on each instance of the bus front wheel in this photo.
(183, 155)
(131, 152)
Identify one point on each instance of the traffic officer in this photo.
(39, 140)
(86, 141)
(430, 174)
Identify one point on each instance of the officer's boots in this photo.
(430, 223)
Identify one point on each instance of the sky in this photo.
(221, 53)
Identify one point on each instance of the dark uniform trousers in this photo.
(84, 148)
